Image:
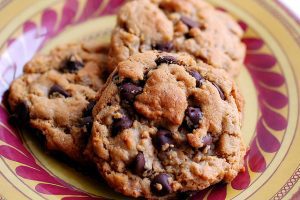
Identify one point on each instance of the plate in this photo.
(269, 82)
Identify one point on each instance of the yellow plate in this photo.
(269, 82)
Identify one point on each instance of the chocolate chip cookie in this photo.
(165, 124)
(191, 26)
(55, 95)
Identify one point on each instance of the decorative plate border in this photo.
(295, 176)
(288, 11)
(260, 67)
(288, 185)
(4, 3)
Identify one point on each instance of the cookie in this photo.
(191, 26)
(165, 124)
(55, 95)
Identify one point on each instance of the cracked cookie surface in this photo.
(164, 124)
(191, 26)
(55, 95)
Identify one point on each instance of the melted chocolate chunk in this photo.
(71, 65)
(121, 124)
(193, 116)
(128, 91)
(160, 185)
(166, 59)
(89, 108)
(189, 22)
(138, 164)
(167, 47)
(163, 137)
(56, 91)
(220, 91)
(88, 123)
(87, 120)
(198, 77)
(188, 35)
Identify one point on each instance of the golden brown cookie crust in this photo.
(158, 135)
(191, 26)
(53, 97)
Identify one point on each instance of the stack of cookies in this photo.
(168, 118)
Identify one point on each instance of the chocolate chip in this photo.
(22, 112)
(163, 137)
(207, 140)
(86, 120)
(138, 164)
(220, 91)
(189, 22)
(160, 185)
(89, 108)
(88, 123)
(72, 65)
(188, 36)
(57, 90)
(120, 124)
(128, 91)
(168, 46)
(130, 110)
(166, 59)
(198, 77)
(193, 116)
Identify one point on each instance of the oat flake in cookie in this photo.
(164, 125)
(55, 95)
(191, 26)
